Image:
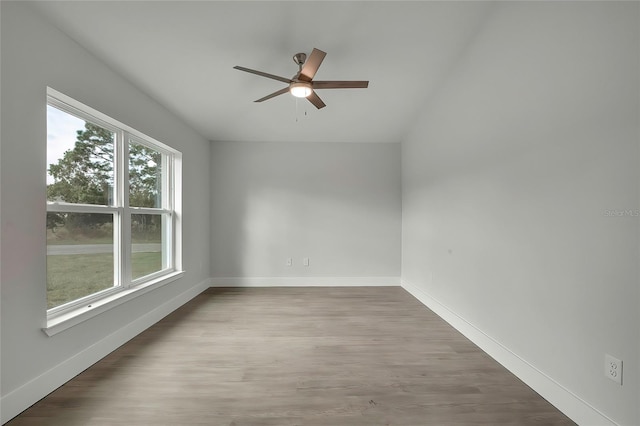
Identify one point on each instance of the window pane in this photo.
(145, 176)
(79, 160)
(79, 255)
(147, 243)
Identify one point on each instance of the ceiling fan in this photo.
(302, 85)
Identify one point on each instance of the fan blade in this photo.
(311, 65)
(263, 74)
(340, 84)
(315, 100)
(274, 94)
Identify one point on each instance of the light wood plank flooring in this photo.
(296, 356)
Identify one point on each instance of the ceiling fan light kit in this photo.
(302, 85)
(300, 89)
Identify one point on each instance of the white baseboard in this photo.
(562, 398)
(26, 395)
(305, 281)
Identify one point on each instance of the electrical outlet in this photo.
(613, 368)
(289, 261)
(305, 261)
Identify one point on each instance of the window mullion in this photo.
(166, 205)
(124, 235)
(169, 249)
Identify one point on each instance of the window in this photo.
(112, 208)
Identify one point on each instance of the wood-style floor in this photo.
(296, 356)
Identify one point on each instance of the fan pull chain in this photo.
(306, 115)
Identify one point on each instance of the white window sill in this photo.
(67, 320)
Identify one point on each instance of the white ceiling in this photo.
(182, 54)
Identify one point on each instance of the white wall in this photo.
(336, 203)
(508, 177)
(34, 56)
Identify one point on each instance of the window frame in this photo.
(124, 286)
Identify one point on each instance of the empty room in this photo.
(279, 213)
